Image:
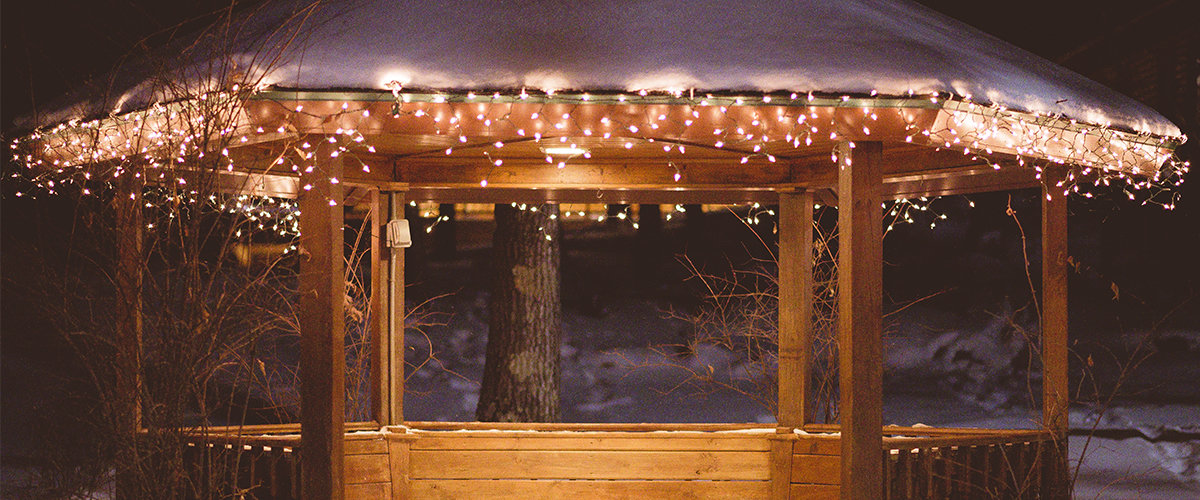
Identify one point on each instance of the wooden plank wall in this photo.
(367, 467)
(816, 467)
(503, 465)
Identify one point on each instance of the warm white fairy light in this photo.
(164, 139)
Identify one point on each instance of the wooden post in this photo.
(130, 262)
(1055, 387)
(322, 328)
(126, 206)
(395, 315)
(795, 308)
(380, 320)
(860, 318)
(1054, 310)
(781, 463)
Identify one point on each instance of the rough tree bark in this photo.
(521, 373)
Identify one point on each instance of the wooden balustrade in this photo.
(453, 459)
(992, 465)
(265, 467)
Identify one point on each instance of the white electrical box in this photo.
(398, 235)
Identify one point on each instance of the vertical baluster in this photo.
(921, 473)
(255, 452)
(932, 480)
(889, 473)
(962, 480)
(962, 483)
(297, 462)
(947, 471)
(985, 452)
(1029, 468)
(929, 470)
(1012, 472)
(1039, 463)
(996, 469)
(272, 457)
(904, 475)
(978, 479)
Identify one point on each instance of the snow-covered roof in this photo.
(892, 47)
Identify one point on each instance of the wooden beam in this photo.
(965, 180)
(795, 307)
(322, 327)
(812, 169)
(395, 330)
(860, 318)
(910, 171)
(761, 195)
(380, 320)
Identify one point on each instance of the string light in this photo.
(161, 142)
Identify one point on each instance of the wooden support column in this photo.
(395, 315)
(1055, 387)
(795, 308)
(1054, 311)
(860, 318)
(128, 225)
(322, 327)
(387, 303)
(378, 328)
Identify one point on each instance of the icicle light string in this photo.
(164, 139)
(895, 213)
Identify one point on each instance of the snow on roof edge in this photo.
(855, 47)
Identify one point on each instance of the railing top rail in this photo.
(617, 427)
(1015, 436)
(895, 437)
(260, 429)
(245, 441)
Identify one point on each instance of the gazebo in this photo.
(790, 104)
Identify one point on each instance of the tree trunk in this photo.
(521, 374)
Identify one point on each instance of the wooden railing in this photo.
(985, 464)
(457, 459)
(263, 462)
(265, 467)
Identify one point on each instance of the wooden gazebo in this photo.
(791, 105)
